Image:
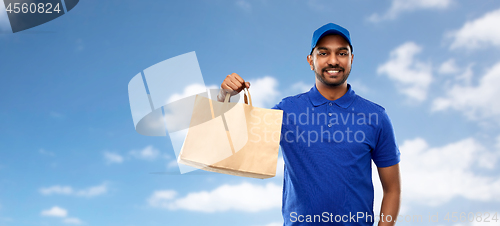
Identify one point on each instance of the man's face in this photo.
(331, 60)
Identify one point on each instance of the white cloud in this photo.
(476, 102)
(62, 190)
(280, 167)
(147, 153)
(111, 157)
(294, 89)
(190, 90)
(412, 77)
(479, 33)
(93, 191)
(160, 196)
(264, 91)
(400, 6)
(301, 87)
(377, 190)
(244, 197)
(466, 77)
(72, 220)
(448, 67)
(68, 190)
(449, 169)
(55, 211)
(462, 75)
(359, 87)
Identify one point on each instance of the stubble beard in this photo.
(321, 77)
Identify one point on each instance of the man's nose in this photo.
(333, 59)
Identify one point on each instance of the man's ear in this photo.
(310, 61)
(352, 58)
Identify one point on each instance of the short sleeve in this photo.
(386, 152)
(277, 106)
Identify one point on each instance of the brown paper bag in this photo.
(233, 138)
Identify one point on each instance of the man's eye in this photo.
(343, 54)
(322, 54)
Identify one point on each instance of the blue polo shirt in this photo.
(328, 147)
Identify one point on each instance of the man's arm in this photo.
(391, 184)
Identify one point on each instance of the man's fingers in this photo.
(237, 77)
(238, 83)
(225, 86)
(247, 84)
(231, 85)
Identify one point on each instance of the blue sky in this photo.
(69, 153)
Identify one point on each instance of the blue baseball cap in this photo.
(330, 29)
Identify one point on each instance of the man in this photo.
(330, 135)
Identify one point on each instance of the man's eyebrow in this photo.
(338, 49)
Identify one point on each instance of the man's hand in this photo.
(232, 84)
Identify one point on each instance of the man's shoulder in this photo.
(368, 104)
(297, 97)
(291, 101)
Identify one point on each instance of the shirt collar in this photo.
(345, 101)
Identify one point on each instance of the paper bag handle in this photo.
(226, 100)
(247, 100)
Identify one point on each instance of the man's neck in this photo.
(331, 92)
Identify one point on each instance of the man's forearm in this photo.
(221, 95)
(390, 208)
(223, 92)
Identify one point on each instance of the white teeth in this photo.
(332, 71)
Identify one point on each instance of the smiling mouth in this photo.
(332, 72)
